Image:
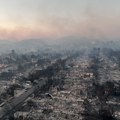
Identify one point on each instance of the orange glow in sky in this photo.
(24, 19)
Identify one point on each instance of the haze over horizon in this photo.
(26, 19)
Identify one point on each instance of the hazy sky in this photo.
(23, 19)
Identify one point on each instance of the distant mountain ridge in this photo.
(66, 43)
